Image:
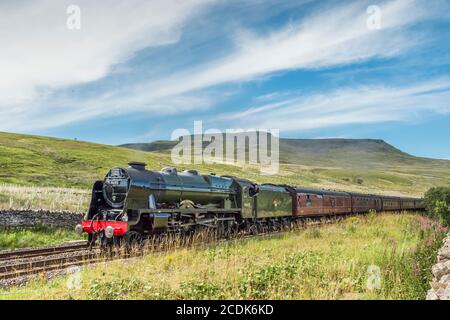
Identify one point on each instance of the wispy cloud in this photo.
(40, 55)
(359, 105)
(332, 37)
(36, 62)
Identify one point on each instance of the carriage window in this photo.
(308, 201)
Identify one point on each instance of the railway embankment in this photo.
(440, 286)
(32, 218)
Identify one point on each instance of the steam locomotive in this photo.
(133, 203)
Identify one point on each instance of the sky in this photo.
(117, 72)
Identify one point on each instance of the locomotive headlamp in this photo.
(79, 229)
(109, 232)
(125, 217)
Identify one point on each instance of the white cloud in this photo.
(39, 54)
(332, 37)
(358, 105)
(62, 112)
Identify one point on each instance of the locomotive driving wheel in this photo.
(133, 241)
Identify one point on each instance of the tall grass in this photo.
(385, 256)
(46, 198)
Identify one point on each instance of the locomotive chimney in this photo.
(137, 165)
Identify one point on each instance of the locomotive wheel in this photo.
(133, 241)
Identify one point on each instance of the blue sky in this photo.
(137, 70)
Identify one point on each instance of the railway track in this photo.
(44, 251)
(20, 269)
(27, 262)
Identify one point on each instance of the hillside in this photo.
(340, 152)
(354, 165)
(343, 152)
(158, 145)
(44, 161)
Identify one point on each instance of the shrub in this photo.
(437, 201)
(442, 211)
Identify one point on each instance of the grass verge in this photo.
(377, 256)
(35, 237)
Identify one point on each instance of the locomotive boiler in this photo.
(137, 188)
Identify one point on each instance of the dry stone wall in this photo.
(30, 218)
(440, 286)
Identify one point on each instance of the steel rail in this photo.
(42, 251)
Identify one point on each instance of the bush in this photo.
(437, 201)
(442, 211)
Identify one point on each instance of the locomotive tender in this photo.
(133, 203)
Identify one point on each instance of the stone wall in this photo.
(440, 287)
(30, 218)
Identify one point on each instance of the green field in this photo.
(351, 165)
(379, 256)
